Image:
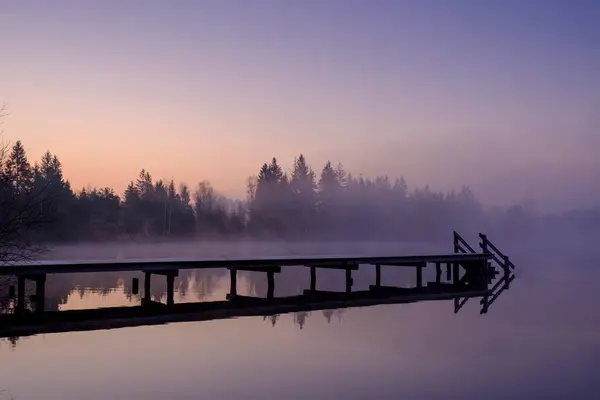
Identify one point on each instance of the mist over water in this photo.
(539, 339)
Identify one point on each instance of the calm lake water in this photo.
(541, 339)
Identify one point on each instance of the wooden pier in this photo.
(468, 274)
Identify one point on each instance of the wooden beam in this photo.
(156, 265)
(167, 273)
(421, 264)
(275, 270)
(345, 267)
(388, 288)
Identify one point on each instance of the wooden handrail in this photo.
(491, 246)
(458, 240)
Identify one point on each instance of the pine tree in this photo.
(303, 191)
(18, 170)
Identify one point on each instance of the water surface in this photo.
(541, 339)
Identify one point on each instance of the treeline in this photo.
(331, 204)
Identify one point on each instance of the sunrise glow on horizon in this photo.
(495, 95)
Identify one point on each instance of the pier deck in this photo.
(68, 267)
(468, 274)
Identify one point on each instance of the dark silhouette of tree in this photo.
(330, 205)
(133, 219)
(271, 201)
(303, 197)
(49, 183)
(272, 318)
(18, 170)
(22, 204)
(300, 318)
(98, 213)
(328, 314)
(339, 206)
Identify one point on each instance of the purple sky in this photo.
(501, 95)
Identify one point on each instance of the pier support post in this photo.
(270, 284)
(135, 286)
(420, 276)
(378, 275)
(455, 273)
(448, 272)
(147, 281)
(233, 282)
(438, 272)
(170, 274)
(349, 281)
(40, 293)
(20, 294)
(313, 279)
(39, 298)
(171, 289)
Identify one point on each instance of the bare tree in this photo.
(20, 213)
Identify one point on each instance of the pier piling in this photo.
(135, 286)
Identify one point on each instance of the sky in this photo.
(503, 96)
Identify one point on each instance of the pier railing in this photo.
(468, 272)
(496, 256)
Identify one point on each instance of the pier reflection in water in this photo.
(152, 312)
(536, 341)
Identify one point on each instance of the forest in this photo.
(39, 205)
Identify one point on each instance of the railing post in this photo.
(506, 267)
(484, 243)
(486, 305)
(456, 243)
